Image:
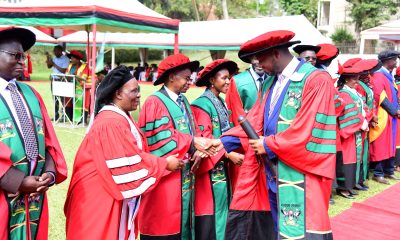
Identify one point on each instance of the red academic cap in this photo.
(350, 70)
(212, 68)
(327, 52)
(351, 62)
(398, 71)
(368, 65)
(265, 42)
(76, 54)
(173, 63)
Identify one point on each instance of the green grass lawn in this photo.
(70, 139)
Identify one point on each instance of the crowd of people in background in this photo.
(258, 164)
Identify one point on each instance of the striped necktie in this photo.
(181, 105)
(277, 93)
(27, 126)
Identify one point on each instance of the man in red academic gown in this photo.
(297, 119)
(386, 100)
(31, 159)
(168, 124)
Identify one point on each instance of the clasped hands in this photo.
(205, 147)
(35, 185)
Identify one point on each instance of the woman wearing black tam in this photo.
(112, 167)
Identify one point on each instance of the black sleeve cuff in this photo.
(12, 180)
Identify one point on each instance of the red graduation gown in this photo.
(109, 167)
(163, 205)
(290, 147)
(204, 201)
(347, 131)
(53, 148)
(384, 137)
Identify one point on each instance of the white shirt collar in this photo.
(386, 70)
(254, 74)
(290, 71)
(171, 94)
(4, 83)
(291, 67)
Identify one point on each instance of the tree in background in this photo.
(370, 13)
(309, 8)
(199, 10)
(178, 9)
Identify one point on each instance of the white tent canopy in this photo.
(211, 35)
(389, 32)
(230, 34)
(147, 40)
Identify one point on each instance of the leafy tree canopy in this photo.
(309, 8)
(370, 13)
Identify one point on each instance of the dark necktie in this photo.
(181, 104)
(31, 146)
(260, 81)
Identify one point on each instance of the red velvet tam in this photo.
(212, 68)
(351, 62)
(327, 52)
(265, 42)
(76, 54)
(173, 63)
(368, 65)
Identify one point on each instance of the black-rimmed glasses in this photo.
(17, 55)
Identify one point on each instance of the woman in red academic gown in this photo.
(112, 168)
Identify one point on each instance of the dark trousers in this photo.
(385, 167)
(397, 157)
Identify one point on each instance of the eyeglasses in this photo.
(17, 55)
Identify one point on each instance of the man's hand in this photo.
(257, 145)
(196, 158)
(374, 121)
(208, 146)
(235, 157)
(45, 180)
(173, 163)
(31, 184)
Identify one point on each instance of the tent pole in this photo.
(112, 58)
(176, 46)
(93, 72)
(88, 45)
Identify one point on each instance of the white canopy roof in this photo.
(145, 40)
(212, 35)
(388, 30)
(234, 32)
